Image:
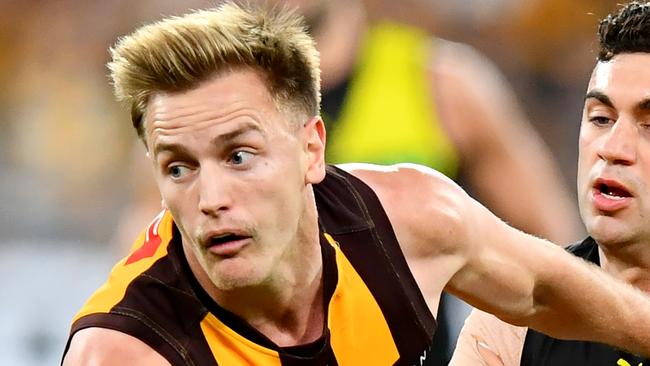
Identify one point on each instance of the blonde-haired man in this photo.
(265, 255)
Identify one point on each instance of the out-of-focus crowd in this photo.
(66, 147)
(65, 143)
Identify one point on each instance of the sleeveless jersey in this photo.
(542, 350)
(386, 112)
(375, 313)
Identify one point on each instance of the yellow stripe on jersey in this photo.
(359, 332)
(232, 349)
(113, 291)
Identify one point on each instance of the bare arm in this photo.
(487, 340)
(505, 161)
(99, 346)
(521, 279)
(541, 286)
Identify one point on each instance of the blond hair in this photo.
(178, 53)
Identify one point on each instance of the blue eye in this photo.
(240, 157)
(177, 171)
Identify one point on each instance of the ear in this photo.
(314, 147)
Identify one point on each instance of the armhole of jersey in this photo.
(131, 325)
(381, 250)
(383, 228)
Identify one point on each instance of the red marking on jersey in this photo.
(151, 243)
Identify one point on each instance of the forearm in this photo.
(578, 300)
(531, 282)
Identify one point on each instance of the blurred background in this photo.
(72, 167)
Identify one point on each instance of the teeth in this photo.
(613, 192)
(613, 197)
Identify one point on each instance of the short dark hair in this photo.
(626, 31)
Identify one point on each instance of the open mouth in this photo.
(612, 191)
(224, 239)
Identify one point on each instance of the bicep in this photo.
(425, 209)
(101, 346)
(451, 241)
(500, 266)
(520, 278)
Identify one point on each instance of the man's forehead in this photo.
(600, 75)
(222, 97)
(623, 70)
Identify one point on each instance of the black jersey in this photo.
(542, 350)
(375, 313)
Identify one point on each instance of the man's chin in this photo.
(230, 275)
(608, 231)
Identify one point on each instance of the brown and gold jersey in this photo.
(376, 314)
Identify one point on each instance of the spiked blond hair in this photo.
(178, 53)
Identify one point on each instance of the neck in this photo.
(287, 306)
(629, 262)
(289, 311)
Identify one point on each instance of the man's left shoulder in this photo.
(400, 178)
(406, 183)
(422, 204)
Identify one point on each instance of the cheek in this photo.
(583, 185)
(173, 200)
(182, 207)
(589, 139)
(643, 193)
(279, 195)
(278, 203)
(587, 156)
(583, 172)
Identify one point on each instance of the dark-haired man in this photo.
(614, 199)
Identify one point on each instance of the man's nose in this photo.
(619, 146)
(214, 190)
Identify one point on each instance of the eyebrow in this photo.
(600, 96)
(642, 106)
(241, 130)
(174, 149)
(178, 149)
